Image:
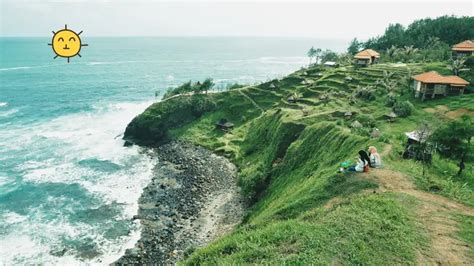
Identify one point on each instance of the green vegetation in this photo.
(302, 211)
(190, 87)
(291, 135)
(466, 231)
(425, 33)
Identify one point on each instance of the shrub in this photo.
(391, 100)
(365, 93)
(402, 109)
(367, 120)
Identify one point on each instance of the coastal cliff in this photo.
(289, 137)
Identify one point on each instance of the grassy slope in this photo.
(287, 160)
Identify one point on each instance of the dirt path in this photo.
(435, 212)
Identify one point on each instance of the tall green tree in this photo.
(311, 53)
(456, 65)
(454, 140)
(207, 85)
(354, 46)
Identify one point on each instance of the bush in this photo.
(365, 93)
(402, 109)
(367, 120)
(391, 100)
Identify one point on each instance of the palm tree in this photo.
(317, 54)
(392, 51)
(408, 52)
(207, 85)
(456, 65)
(311, 53)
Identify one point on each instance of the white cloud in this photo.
(335, 19)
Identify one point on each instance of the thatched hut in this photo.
(224, 125)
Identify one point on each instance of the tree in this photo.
(317, 54)
(207, 85)
(456, 65)
(354, 46)
(406, 81)
(454, 140)
(328, 55)
(311, 53)
(423, 147)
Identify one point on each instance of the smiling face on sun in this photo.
(66, 43)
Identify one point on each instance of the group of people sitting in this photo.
(365, 161)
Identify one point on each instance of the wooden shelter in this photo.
(356, 124)
(413, 138)
(224, 125)
(436, 84)
(465, 48)
(391, 117)
(348, 115)
(366, 57)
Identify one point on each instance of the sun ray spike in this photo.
(79, 55)
(85, 44)
(68, 59)
(54, 32)
(50, 44)
(65, 26)
(79, 33)
(56, 57)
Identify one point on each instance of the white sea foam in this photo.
(3, 104)
(14, 68)
(71, 139)
(8, 112)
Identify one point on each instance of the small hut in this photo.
(348, 115)
(366, 57)
(292, 99)
(413, 138)
(330, 64)
(375, 133)
(272, 86)
(391, 117)
(224, 125)
(465, 48)
(348, 79)
(356, 124)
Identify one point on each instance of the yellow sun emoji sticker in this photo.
(66, 43)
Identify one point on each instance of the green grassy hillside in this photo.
(288, 154)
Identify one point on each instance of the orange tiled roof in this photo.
(434, 77)
(464, 46)
(366, 54)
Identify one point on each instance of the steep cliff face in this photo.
(152, 126)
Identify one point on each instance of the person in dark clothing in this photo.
(362, 162)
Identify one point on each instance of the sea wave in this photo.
(3, 104)
(68, 152)
(8, 112)
(15, 68)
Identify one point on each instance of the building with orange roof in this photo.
(435, 84)
(465, 48)
(366, 57)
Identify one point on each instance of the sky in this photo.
(317, 19)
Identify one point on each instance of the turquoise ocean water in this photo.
(68, 188)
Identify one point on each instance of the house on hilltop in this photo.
(436, 84)
(465, 48)
(366, 57)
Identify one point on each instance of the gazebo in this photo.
(224, 125)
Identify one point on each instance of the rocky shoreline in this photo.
(192, 199)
